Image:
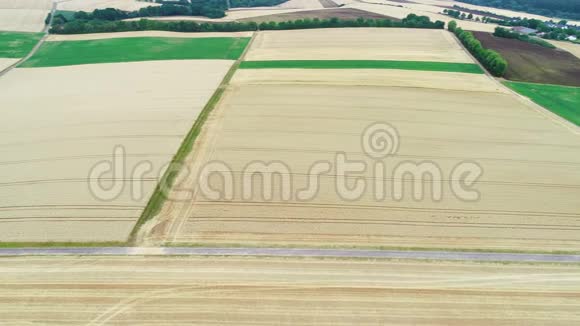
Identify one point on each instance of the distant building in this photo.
(572, 38)
(524, 30)
(551, 24)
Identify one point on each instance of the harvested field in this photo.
(6, 62)
(401, 10)
(301, 4)
(251, 291)
(17, 45)
(58, 123)
(26, 4)
(533, 63)
(303, 116)
(564, 101)
(357, 44)
(22, 20)
(23, 15)
(66, 53)
(340, 13)
(471, 68)
(328, 4)
(567, 46)
(498, 11)
(382, 78)
(90, 5)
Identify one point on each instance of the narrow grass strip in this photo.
(167, 180)
(17, 45)
(67, 53)
(562, 100)
(159, 197)
(364, 64)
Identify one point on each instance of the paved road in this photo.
(282, 252)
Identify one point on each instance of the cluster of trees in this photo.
(549, 30)
(207, 8)
(481, 12)
(490, 59)
(107, 26)
(506, 33)
(552, 8)
(255, 3)
(457, 14)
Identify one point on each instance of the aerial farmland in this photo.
(118, 96)
(273, 112)
(288, 162)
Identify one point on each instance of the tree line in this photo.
(490, 59)
(81, 26)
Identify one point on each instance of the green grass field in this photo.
(562, 100)
(17, 45)
(364, 64)
(67, 53)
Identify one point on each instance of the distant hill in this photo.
(569, 9)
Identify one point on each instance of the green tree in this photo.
(452, 26)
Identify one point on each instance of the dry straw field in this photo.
(23, 15)
(528, 190)
(90, 5)
(253, 291)
(357, 44)
(55, 132)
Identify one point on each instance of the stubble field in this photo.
(54, 133)
(349, 43)
(23, 15)
(528, 189)
(252, 291)
(90, 5)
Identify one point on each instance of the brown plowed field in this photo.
(341, 13)
(274, 291)
(533, 63)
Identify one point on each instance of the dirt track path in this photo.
(302, 253)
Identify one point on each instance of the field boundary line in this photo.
(184, 216)
(157, 199)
